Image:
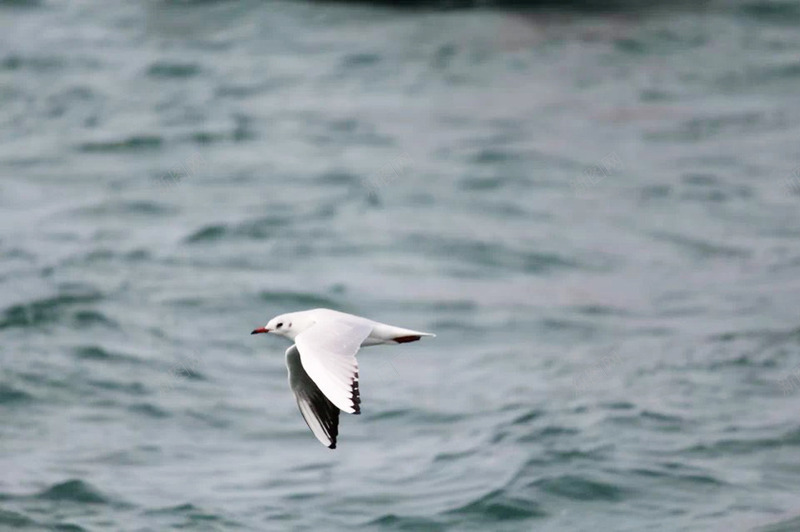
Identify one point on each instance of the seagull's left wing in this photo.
(328, 353)
(321, 416)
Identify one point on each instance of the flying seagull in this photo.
(323, 371)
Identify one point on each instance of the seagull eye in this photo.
(280, 325)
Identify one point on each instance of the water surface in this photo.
(596, 212)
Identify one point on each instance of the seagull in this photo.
(323, 371)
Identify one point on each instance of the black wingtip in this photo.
(332, 446)
(355, 395)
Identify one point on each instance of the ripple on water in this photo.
(76, 491)
(15, 520)
(791, 524)
(190, 517)
(12, 396)
(490, 254)
(418, 416)
(396, 522)
(259, 229)
(299, 299)
(133, 143)
(679, 476)
(66, 527)
(168, 70)
(31, 62)
(497, 505)
(116, 208)
(96, 352)
(697, 247)
(731, 446)
(486, 183)
(651, 420)
(148, 410)
(68, 306)
(579, 488)
(548, 432)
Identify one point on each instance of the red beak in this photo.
(260, 330)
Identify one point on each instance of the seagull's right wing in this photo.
(321, 416)
(328, 353)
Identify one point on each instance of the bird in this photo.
(323, 371)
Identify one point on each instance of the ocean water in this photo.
(598, 213)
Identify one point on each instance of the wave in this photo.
(127, 144)
(10, 395)
(116, 208)
(735, 446)
(579, 488)
(258, 229)
(397, 522)
(299, 299)
(15, 520)
(69, 306)
(76, 491)
(489, 254)
(497, 505)
(96, 352)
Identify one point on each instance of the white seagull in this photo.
(323, 371)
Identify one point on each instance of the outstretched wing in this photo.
(321, 416)
(328, 353)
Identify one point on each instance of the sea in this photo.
(595, 208)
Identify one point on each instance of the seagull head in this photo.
(288, 325)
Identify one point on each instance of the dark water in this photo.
(597, 213)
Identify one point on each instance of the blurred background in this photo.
(595, 207)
